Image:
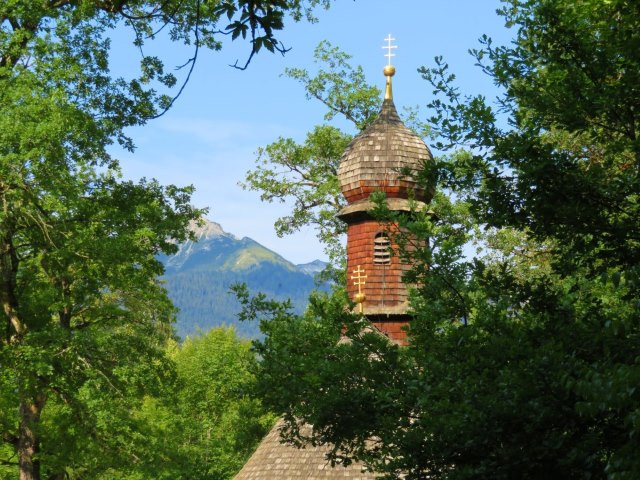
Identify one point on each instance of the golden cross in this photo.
(359, 280)
(389, 47)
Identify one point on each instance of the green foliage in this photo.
(306, 174)
(221, 419)
(523, 361)
(202, 424)
(342, 88)
(348, 385)
(85, 319)
(261, 19)
(581, 132)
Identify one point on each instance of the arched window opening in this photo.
(381, 249)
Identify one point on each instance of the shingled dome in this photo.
(378, 158)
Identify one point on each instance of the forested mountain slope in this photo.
(199, 275)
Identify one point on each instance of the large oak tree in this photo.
(84, 318)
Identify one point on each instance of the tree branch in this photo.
(192, 60)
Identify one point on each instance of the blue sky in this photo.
(210, 137)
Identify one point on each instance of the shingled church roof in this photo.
(276, 460)
(379, 158)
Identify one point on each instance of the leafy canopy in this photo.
(85, 318)
(524, 359)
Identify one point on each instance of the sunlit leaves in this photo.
(306, 174)
(340, 86)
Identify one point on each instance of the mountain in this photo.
(199, 275)
(312, 268)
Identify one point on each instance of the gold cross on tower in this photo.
(389, 70)
(359, 280)
(389, 48)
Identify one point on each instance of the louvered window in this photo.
(381, 252)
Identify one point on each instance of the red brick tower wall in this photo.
(383, 287)
(386, 299)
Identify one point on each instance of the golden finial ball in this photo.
(359, 297)
(389, 71)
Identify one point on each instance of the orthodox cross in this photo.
(389, 48)
(359, 280)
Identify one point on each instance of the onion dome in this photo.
(385, 157)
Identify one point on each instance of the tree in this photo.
(523, 361)
(221, 419)
(206, 423)
(306, 173)
(85, 318)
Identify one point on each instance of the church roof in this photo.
(379, 158)
(276, 460)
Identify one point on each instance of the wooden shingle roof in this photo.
(275, 460)
(376, 159)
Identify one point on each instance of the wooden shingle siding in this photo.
(386, 157)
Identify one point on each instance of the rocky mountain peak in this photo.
(312, 268)
(206, 233)
(208, 230)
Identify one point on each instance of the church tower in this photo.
(381, 159)
(378, 159)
